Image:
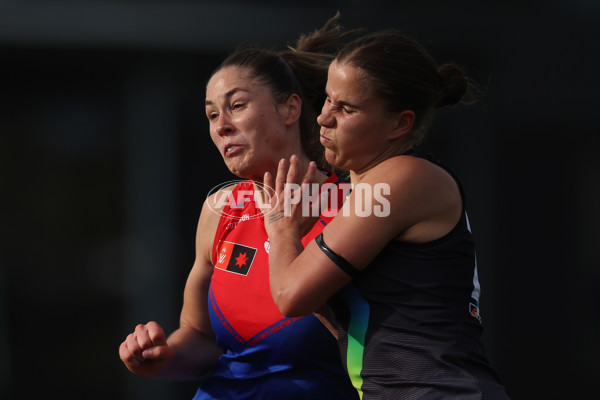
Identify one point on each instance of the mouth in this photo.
(231, 149)
(323, 135)
(324, 139)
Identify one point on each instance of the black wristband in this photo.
(337, 259)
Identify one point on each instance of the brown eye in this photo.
(237, 106)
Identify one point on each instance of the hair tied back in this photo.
(454, 85)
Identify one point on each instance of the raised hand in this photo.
(286, 198)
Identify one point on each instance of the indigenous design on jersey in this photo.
(355, 338)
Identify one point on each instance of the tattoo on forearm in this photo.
(275, 216)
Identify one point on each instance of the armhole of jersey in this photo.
(449, 171)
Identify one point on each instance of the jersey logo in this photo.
(474, 309)
(235, 257)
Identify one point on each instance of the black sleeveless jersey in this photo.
(409, 324)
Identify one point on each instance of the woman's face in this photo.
(244, 123)
(354, 123)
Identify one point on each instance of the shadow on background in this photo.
(106, 159)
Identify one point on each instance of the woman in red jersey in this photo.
(261, 106)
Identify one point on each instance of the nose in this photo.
(325, 119)
(223, 125)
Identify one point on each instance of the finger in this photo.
(124, 352)
(282, 170)
(156, 334)
(156, 353)
(142, 336)
(132, 348)
(268, 183)
(269, 193)
(309, 176)
(307, 181)
(293, 172)
(127, 356)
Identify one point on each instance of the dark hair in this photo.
(300, 69)
(403, 74)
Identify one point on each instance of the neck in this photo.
(303, 162)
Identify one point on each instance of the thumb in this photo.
(158, 353)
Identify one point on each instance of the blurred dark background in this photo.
(105, 160)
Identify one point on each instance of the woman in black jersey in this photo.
(394, 273)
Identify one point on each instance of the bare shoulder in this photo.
(407, 170)
(425, 199)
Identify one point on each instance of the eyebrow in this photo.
(227, 95)
(342, 102)
(345, 103)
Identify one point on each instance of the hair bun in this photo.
(454, 85)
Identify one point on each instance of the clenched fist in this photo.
(145, 352)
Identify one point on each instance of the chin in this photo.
(244, 173)
(330, 158)
(236, 170)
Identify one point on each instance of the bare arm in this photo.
(190, 351)
(423, 204)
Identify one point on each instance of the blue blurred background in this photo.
(105, 160)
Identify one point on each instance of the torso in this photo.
(409, 324)
(266, 354)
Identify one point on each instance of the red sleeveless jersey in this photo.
(266, 355)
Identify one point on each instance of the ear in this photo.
(292, 109)
(403, 123)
